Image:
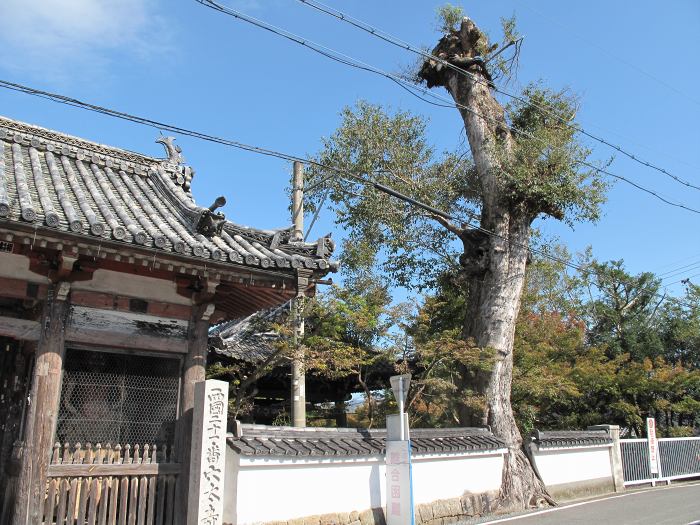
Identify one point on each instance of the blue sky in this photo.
(634, 66)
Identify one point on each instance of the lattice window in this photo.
(6, 246)
(118, 398)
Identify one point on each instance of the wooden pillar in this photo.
(298, 386)
(193, 373)
(43, 408)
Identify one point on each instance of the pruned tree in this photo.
(495, 189)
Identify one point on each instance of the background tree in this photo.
(509, 180)
(346, 335)
(565, 375)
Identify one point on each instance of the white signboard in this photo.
(653, 446)
(208, 457)
(399, 497)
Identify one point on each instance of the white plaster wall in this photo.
(271, 489)
(570, 465)
(268, 489)
(16, 266)
(451, 476)
(130, 285)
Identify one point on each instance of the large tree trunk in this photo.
(494, 263)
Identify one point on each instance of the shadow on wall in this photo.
(375, 488)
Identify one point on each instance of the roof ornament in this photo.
(209, 222)
(325, 246)
(173, 151)
(181, 174)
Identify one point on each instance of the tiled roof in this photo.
(570, 438)
(260, 440)
(248, 339)
(52, 181)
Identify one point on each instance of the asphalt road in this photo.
(673, 505)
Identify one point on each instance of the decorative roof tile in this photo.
(570, 438)
(57, 182)
(248, 339)
(262, 440)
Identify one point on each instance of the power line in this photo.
(347, 60)
(683, 269)
(684, 280)
(592, 43)
(674, 263)
(73, 102)
(408, 47)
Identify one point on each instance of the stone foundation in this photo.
(440, 512)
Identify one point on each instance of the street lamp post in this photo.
(399, 485)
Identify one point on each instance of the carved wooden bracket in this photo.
(65, 267)
(303, 278)
(62, 290)
(212, 283)
(208, 311)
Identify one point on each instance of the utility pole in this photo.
(298, 373)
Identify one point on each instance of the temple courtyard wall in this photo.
(272, 477)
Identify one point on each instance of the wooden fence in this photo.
(98, 485)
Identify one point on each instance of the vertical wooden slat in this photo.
(104, 501)
(143, 500)
(83, 500)
(150, 512)
(89, 454)
(123, 499)
(70, 516)
(56, 456)
(99, 454)
(66, 453)
(63, 489)
(170, 501)
(113, 499)
(50, 502)
(160, 505)
(133, 500)
(92, 503)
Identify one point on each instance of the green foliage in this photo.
(680, 328)
(448, 17)
(622, 316)
(406, 244)
(544, 170)
(385, 234)
(344, 328)
(579, 359)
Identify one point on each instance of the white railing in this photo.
(678, 458)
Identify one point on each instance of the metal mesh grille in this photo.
(635, 459)
(117, 398)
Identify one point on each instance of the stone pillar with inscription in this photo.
(208, 453)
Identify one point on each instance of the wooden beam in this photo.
(121, 469)
(22, 329)
(114, 328)
(41, 422)
(132, 341)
